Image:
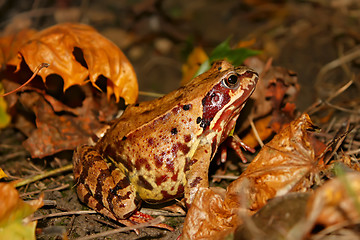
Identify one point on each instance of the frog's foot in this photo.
(139, 217)
(235, 143)
(103, 189)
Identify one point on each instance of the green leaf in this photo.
(224, 51)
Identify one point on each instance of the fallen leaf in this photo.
(281, 218)
(58, 132)
(193, 62)
(274, 96)
(208, 216)
(287, 163)
(337, 201)
(10, 45)
(77, 52)
(14, 214)
(262, 126)
(2, 174)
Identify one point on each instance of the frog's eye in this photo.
(232, 81)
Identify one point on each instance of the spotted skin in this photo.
(161, 150)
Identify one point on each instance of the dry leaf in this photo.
(274, 96)
(55, 133)
(2, 174)
(287, 163)
(63, 46)
(193, 62)
(337, 201)
(10, 45)
(208, 217)
(262, 126)
(14, 213)
(281, 218)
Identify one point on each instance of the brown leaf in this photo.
(337, 201)
(279, 219)
(274, 96)
(283, 165)
(208, 217)
(10, 45)
(64, 45)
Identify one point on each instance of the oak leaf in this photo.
(59, 46)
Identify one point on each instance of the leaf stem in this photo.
(37, 70)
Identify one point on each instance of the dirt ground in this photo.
(155, 35)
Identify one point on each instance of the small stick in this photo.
(37, 70)
(61, 214)
(44, 175)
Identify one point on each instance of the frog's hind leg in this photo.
(106, 190)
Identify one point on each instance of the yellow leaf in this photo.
(14, 213)
(194, 61)
(77, 52)
(2, 174)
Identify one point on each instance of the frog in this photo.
(160, 150)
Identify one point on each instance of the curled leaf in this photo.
(283, 165)
(77, 52)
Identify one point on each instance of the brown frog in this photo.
(160, 150)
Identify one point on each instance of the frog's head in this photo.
(227, 90)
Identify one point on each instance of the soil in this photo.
(155, 35)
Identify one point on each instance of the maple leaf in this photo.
(59, 46)
(10, 45)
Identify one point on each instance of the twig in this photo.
(342, 108)
(354, 53)
(318, 104)
(151, 94)
(44, 175)
(225, 177)
(61, 214)
(46, 190)
(124, 229)
(256, 133)
(37, 70)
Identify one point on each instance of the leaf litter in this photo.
(331, 202)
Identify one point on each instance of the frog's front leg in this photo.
(197, 172)
(105, 189)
